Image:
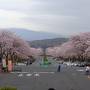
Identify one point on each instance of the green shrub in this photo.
(8, 88)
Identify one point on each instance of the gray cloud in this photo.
(57, 16)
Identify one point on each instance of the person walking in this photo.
(59, 68)
(87, 70)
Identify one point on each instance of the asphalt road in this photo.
(35, 77)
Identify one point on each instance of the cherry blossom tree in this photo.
(36, 52)
(50, 51)
(13, 46)
(77, 48)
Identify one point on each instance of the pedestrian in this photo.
(51, 89)
(87, 70)
(59, 68)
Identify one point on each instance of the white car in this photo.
(67, 63)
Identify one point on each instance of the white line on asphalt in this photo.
(37, 75)
(81, 70)
(48, 72)
(33, 72)
(28, 75)
(45, 72)
(19, 72)
(20, 75)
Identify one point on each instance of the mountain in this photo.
(29, 35)
(48, 42)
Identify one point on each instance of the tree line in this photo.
(76, 48)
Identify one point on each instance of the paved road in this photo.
(35, 77)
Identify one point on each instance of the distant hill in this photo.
(47, 42)
(29, 35)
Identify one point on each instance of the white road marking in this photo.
(37, 75)
(33, 72)
(45, 72)
(20, 75)
(20, 72)
(81, 70)
(28, 75)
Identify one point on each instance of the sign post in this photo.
(10, 66)
(4, 65)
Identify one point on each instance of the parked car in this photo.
(82, 64)
(74, 64)
(67, 63)
(87, 63)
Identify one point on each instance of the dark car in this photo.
(82, 64)
(88, 64)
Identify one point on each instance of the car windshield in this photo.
(44, 45)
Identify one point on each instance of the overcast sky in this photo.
(57, 16)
